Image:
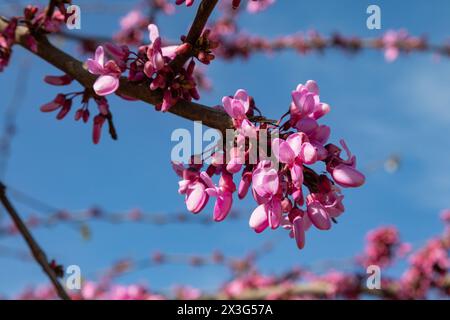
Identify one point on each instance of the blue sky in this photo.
(379, 108)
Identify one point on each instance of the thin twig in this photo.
(36, 250)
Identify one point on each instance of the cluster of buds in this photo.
(151, 64)
(203, 47)
(40, 19)
(428, 268)
(63, 104)
(383, 247)
(7, 38)
(34, 19)
(274, 160)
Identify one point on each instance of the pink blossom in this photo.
(154, 54)
(223, 193)
(265, 190)
(255, 6)
(192, 187)
(237, 108)
(343, 171)
(109, 72)
(131, 19)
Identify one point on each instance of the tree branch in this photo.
(36, 250)
(189, 110)
(210, 117)
(204, 11)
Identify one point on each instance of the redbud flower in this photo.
(223, 193)
(255, 6)
(192, 187)
(109, 72)
(343, 171)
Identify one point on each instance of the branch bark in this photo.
(38, 254)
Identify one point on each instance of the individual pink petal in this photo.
(170, 51)
(312, 86)
(318, 215)
(226, 102)
(308, 103)
(105, 85)
(258, 220)
(248, 129)
(244, 185)
(222, 206)
(183, 186)
(308, 153)
(94, 67)
(299, 232)
(348, 176)
(297, 175)
(273, 209)
(234, 165)
(306, 125)
(153, 32)
(271, 182)
(321, 134)
(295, 141)
(244, 98)
(207, 179)
(100, 55)
(283, 151)
(238, 109)
(196, 197)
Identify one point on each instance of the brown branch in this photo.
(204, 11)
(36, 250)
(189, 110)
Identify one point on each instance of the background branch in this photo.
(36, 250)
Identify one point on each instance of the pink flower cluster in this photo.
(150, 64)
(394, 42)
(428, 269)
(383, 247)
(426, 276)
(277, 189)
(63, 104)
(34, 19)
(7, 38)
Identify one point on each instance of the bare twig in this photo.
(36, 250)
